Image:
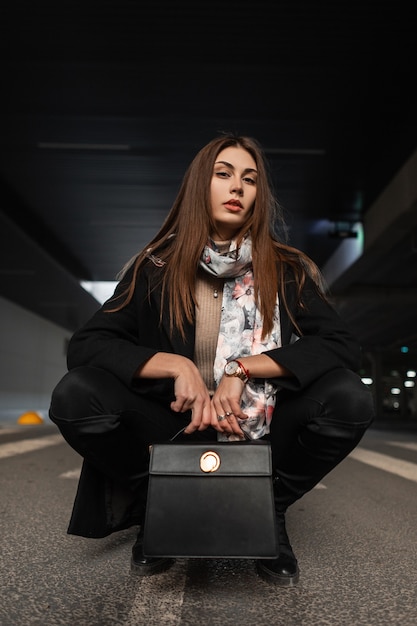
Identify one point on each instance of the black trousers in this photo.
(111, 427)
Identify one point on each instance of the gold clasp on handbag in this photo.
(209, 461)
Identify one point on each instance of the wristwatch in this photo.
(235, 368)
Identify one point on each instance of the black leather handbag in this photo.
(210, 500)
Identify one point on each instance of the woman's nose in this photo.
(237, 187)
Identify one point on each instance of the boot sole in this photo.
(277, 579)
(151, 568)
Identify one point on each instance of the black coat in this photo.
(121, 341)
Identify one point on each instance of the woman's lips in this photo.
(233, 206)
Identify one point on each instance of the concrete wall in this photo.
(32, 360)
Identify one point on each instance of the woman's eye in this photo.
(222, 174)
(249, 181)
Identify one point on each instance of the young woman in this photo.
(221, 328)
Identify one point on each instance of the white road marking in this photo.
(28, 445)
(405, 469)
(8, 431)
(408, 445)
(75, 473)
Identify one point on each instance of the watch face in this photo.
(231, 368)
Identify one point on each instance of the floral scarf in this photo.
(241, 330)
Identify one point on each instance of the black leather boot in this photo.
(147, 566)
(282, 571)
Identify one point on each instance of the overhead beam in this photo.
(33, 279)
(391, 218)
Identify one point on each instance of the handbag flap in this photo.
(246, 458)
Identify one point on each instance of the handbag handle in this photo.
(178, 433)
(182, 430)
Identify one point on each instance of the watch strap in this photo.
(244, 370)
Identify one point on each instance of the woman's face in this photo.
(232, 191)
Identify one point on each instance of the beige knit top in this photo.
(209, 292)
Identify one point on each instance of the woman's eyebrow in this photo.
(245, 171)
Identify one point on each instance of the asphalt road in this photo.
(355, 536)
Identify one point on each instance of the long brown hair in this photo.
(186, 230)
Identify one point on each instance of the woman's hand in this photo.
(226, 404)
(191, 393)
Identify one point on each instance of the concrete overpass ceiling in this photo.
(105, 103)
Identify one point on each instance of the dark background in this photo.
(105, 103)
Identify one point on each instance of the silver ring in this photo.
(228, 414)
(220, 418)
